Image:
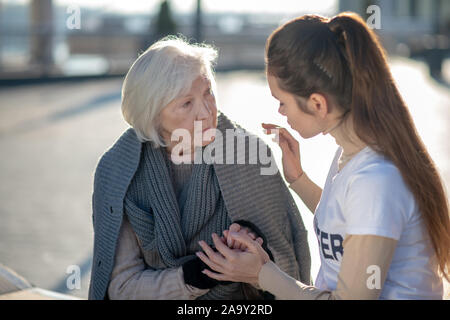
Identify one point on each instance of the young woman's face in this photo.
(198, 105)
(307, 125)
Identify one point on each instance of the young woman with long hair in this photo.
(382, 219)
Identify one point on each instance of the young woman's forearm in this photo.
(272, 279)
(360, 253)
(308, 191)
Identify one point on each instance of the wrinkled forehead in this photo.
(196, 82)
(200, 82)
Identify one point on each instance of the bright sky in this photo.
(184, 6)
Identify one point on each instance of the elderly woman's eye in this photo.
(209, 91)
(187, 104)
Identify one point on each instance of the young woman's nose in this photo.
(281, 110)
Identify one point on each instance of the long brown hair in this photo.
(343, 59)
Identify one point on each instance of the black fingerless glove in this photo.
(193, 275)
(253, 228)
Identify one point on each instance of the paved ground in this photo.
(52, 136)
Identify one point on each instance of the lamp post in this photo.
(41, 44)
(198, 22)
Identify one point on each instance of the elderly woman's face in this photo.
(197, 106)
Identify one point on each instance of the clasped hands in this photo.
(239, 256)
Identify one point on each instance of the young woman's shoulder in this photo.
(378, 178)
(377, 171)
(377, 199)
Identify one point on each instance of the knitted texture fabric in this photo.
(175, 231)
(180, 174)
(247, 194)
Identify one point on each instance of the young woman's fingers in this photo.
(244, 239)
(230, 243)
(284, 145)
(217, 276)
(259, 240)
(209, 262)
(252, 235)
(249, 233)
(236, 245)
(285, 133)
(242, 246)
(282, 132)
(227, 240)
(234, 227)
(290, 149)
(269, 127)
(215, 257)
(274, 129)
(226, 235)
(222, 248)
(285, 137)
(252, 246)
(292, 142)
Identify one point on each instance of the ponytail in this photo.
(364, 58)
(353, 70)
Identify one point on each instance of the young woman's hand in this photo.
(234, 265)
(291, 152)
(235, 244)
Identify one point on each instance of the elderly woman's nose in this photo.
(204, 110)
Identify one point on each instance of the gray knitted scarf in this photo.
(177, 227)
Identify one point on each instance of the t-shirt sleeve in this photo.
(377, 202)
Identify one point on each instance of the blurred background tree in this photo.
(165, 25)
(198, 22)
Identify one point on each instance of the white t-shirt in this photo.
(369, 197)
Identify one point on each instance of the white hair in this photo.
(162, 73)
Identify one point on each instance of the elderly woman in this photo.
(150, 210)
